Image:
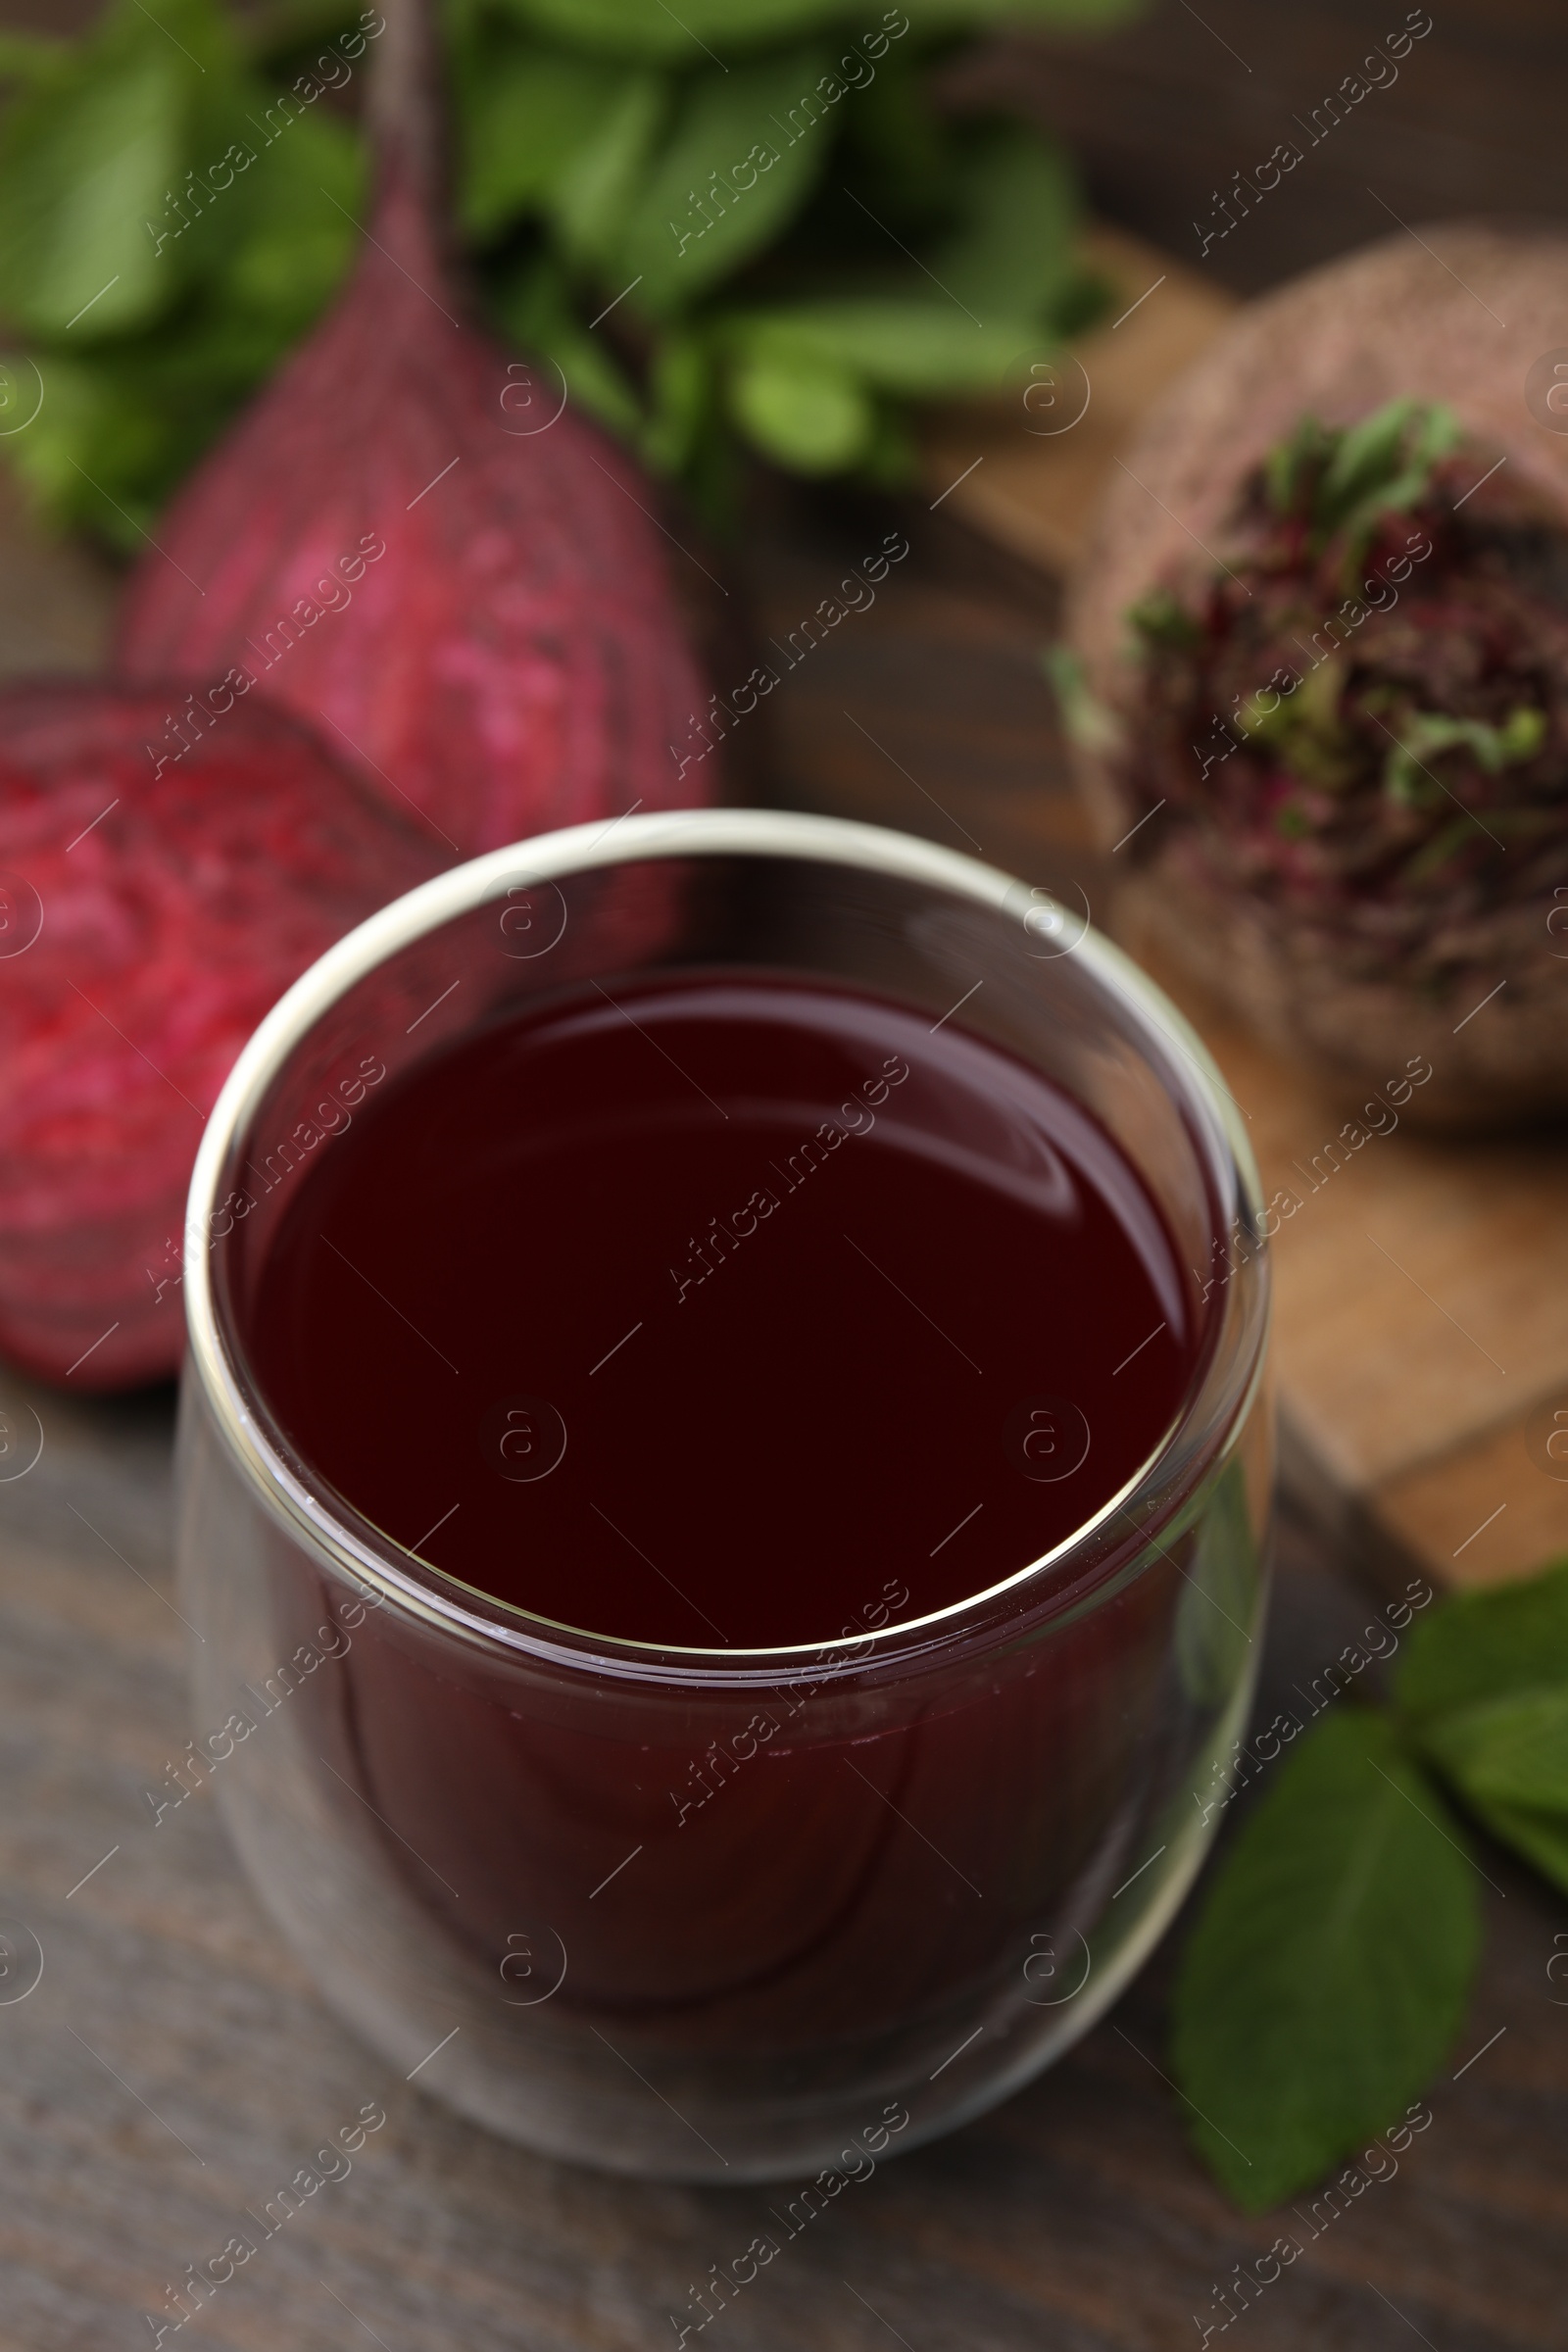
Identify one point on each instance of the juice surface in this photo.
(724, 1311)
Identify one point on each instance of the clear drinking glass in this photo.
(478, 1829)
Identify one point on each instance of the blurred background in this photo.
(1160, 110)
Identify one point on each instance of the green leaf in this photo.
(534, 306)
(1539, 1835)
(1073, 14)
(682, 393)
(1159, 617)
(1374, 452)
(119, 429)
(1012, 254)
(740, 160)
(121, 426)
(1330, 1963)
(46, 458)
(1509, 1760)
(1345, 480)
(569, 113)
(1292, 464)
(891, 459)
(903, 151)
(1427, 734)
(289, 222)
(1380, 467)
(87, 160)
(528, 112)
(1485, 1682)
(1483, 1645)
(799, 389)
(29, 56)
(898, 343)
(123, 420)
(1509, 1751)
(1307, 730)
(802, 409)
(276, 34)
(593, 197)
(642, 29)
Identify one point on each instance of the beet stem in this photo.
(405, 115)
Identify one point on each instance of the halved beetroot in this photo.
(154, 906)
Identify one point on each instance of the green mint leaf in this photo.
(29, 56)
(743, 154)
(1541, 1835)
(642, 29)
(1508, 1751)
(1330, 1967)
(898, 343)
(682, 391)
(1487, 1689)
(646, 30)
(1013, 252)
(288, 227)
(1496, 1644)
(156, 292)
(897, 144)
(802, 409)
(891, 459)
(534, 302)
(122, 425)
(125, 417)
(276, 33)
(592, 200)
(86, 159)
(526, 114)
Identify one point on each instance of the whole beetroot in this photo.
(421, 544)
(147, 922)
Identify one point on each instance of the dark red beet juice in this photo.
(723, 1313)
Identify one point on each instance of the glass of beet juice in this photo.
(723, 1483)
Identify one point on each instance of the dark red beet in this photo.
(147, 922)
(513, 660)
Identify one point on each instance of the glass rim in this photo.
(216, 1361)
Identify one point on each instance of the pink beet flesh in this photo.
(147, 922)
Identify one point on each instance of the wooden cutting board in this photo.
(1422, 1291)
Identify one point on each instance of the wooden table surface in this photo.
(171, 2065)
